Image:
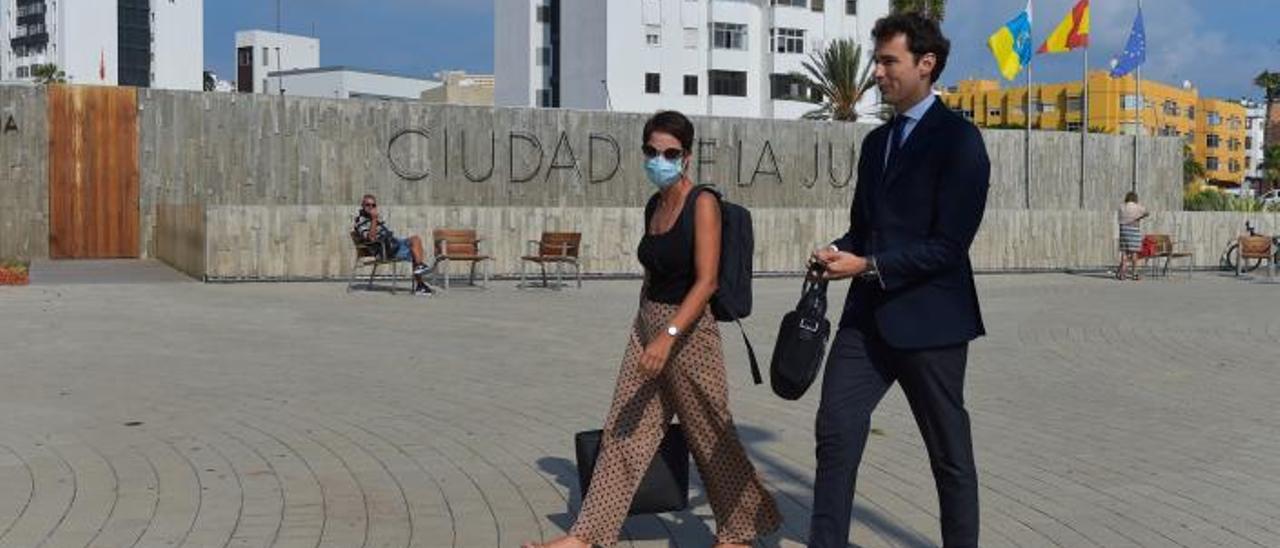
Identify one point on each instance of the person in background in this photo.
(371, 228)
(1130, 216)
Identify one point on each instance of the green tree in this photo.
(839, 78)
(1192, 170)
(932, 9)
(48, 74)
(1270, 83)
(1270, 166)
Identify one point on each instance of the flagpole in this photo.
(1142, 126)
(1084, 125)
(1027, 120)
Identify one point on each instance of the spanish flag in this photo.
(1011, 44)
(1072, 32)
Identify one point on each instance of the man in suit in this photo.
(912, 308)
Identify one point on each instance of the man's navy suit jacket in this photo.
(918, 219)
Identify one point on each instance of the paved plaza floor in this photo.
(173, 413)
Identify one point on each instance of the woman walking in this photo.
(673, 363)
(1129, 216)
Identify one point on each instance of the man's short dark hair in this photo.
(672, 123)
(923, 36)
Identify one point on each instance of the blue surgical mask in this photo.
(663, 172)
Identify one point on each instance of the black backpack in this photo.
(732, 300)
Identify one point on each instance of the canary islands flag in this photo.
(1011, 45)
(1072, 32)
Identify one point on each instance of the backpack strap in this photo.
(751, 354)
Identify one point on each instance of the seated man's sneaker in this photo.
(424, 290)
(421, 269)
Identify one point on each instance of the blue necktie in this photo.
(895, 139)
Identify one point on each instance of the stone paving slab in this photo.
(255, 415)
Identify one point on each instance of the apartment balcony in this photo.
(37, 39)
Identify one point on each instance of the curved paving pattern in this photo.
(1105, 414)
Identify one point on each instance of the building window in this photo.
(1171, 108)
(246, 57)
(850, 7)
(653, 35)
(993, 113)
(652, 82)
(818, 5)
(690, 38)
(1073, 126)
(690, 84)
(796, 3)
(544, 56)
(784, 40)
(544, 98)
(1248, 162)
(1248, 142)
(1048, 107)
(1129, 102)
(266, 54)
(1214, 118)
(1233, 166)
(1211, 163)
(24, 71)
(544, 14)
(731, 83)
(1074, 103)
(729, 36)
(1191, 113)
(1212, 140)
(786, 87)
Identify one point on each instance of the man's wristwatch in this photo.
(673, 331)
(873, 271)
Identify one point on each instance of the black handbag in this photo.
(665, 486)
(802, 342)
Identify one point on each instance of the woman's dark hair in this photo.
(672, 123)
(1131, 197)
(923, 36)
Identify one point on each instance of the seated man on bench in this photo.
(369, 225)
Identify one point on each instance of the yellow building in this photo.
(1214, 128)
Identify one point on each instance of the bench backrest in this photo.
(560, 244)
(1255, 247)
(1163, 243)
(455, 242)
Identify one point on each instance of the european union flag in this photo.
(1135, 51)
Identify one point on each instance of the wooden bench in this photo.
(1257, 248)
(373, 254)
(1164, 248)
(558, 249)
(454, 245)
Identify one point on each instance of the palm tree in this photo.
(932, 9)
(48, 74)
(839, 78)
(1270, 84)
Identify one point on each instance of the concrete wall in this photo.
(298, 242)
(280, 179)
(24, 172)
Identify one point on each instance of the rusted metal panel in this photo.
(93, 172)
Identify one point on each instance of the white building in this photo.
(146, 43)
(259, 53)
(1254, 140)
(348, 83)
(710, 57)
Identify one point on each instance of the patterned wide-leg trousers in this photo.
(691, 386)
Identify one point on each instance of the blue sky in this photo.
(1217, 44)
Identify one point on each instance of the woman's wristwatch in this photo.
(673, 331)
